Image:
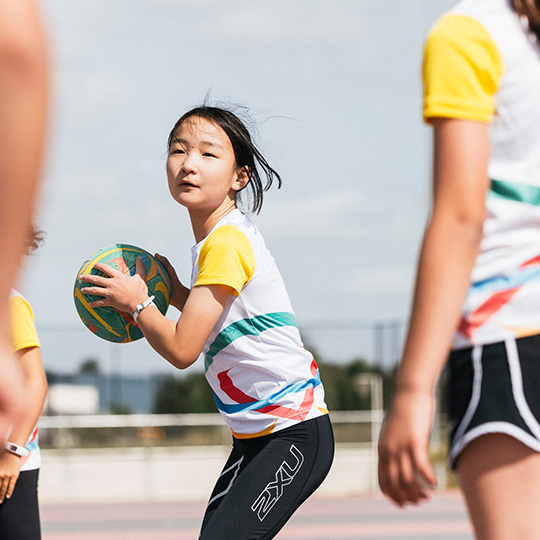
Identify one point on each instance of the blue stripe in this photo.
(503, 283)
(272, 400)
(31, 446)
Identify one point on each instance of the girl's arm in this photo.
(180, 343)
(29, 360)
(449, 250)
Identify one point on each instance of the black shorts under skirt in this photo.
(495, 388)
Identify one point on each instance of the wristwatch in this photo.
(16, 449)
(140, 307)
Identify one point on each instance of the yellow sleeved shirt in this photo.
(226, 258)
(462, 69)
(23, 330)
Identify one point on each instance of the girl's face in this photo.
(201, 167)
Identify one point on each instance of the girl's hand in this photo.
(10, 466)
(179, 293)
(405, 472)
(119, 290)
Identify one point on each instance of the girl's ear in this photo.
(244, 174)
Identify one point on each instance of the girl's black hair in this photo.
(245, 152)
(531, 10)
(34, 239)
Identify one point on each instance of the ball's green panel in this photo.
(109, 323)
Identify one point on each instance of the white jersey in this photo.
(263, 378)
(481, 63)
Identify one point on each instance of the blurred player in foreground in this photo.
(479, 273)
(19, 465)
(23, 114)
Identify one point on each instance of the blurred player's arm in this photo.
(23, 115)
(29, 359)
(451, 244)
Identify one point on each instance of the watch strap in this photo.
(140, 307)
(16, 449)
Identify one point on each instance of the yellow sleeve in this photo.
(23, 330)
(462, 69)
(226, 258)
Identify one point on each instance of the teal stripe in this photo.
(247, 327)
(514, 191)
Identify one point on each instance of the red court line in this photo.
(441, 503)
(360, 530)
(120, 512)
(169, 534)
(335, 531)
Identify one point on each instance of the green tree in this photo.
(190, 394)
(89, 366)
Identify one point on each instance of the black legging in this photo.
(19, 515)
(266, 479)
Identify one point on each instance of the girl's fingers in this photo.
(95, 280)
(98, 303)
(424, 469)
(96, 291)
(11, 487)
(388, 475)
(106, 269)
(3, 488)
(139, 268)
(405, 476)
(168, 266)
(409, 490)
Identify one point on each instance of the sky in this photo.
(334, 95)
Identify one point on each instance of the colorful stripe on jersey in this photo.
(247, 327)
(503, 288)
(515, 191)
(269, 405)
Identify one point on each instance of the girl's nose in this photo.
(188, 165)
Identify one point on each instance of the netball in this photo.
(107, 322)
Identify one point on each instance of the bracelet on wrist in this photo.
(16, 449)
(140, 307)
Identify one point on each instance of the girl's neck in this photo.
(202, 222)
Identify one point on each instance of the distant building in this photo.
(114, 393)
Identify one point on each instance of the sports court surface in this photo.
(443, 518)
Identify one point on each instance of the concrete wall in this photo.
(180, 473)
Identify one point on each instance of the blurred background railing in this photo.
(141, 430)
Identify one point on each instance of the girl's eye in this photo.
(208, 154)
(177, 151)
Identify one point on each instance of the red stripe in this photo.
(226, 384)
(477, 318)
(287, 412)
(531, 262)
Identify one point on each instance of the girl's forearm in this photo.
(181, 343)
(31, 411)
(448, 253)
(161, 333)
